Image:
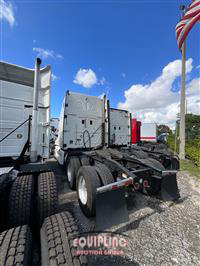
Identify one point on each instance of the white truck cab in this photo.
(16, 106)
(82, 124)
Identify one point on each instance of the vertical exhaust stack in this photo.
(34, 131)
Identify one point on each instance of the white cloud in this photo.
(193, 88)
(54, 77)
(86, 78)
(46, 53)
(7, 12)
(123, 75)
(198, 66)
(156, 102)
(102, 81)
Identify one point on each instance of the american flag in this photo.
(191, 16)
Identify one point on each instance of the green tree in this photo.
(192, 126)
(163, 129)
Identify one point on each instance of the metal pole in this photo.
(182, 107)
(34, 131)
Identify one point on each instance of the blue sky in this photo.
(122, 42)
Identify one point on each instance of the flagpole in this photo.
(182, 106)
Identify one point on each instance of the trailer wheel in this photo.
(161, 146)
(47, 195)
(57, 234)
(15, 246)
(21, 201)
(163, 151)
(157, 164)
(139, 154)
(87, 182)
(104, 174)
(155, 186)
(73, 166)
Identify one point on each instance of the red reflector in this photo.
(127, 183)
(145, 183)
(114, 187)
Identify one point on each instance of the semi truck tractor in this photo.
(94, 146)
(32, 229)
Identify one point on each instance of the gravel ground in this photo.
(160, 233)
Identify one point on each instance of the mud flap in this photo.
(111, 208)
(169, 187)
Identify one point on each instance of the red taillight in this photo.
(127, 183)
(114, 187)
(145, 183)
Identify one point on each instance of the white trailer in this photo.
(149, 132)
(16, 106)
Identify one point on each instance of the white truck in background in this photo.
(54, 124)
(148, 132)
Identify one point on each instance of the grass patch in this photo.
(187, 165)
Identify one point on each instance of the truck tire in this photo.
(139, 154)
(73, 166)
(21, 201)
(87, 182)
(157, 164)
(57, 234)
(161, 146)
(104, 173)
(47, 195)
(15, 246)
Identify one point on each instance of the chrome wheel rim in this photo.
(69, 172)
(82, 190)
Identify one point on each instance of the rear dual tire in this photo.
(72, 166)
(89, 178)
(87, 183)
